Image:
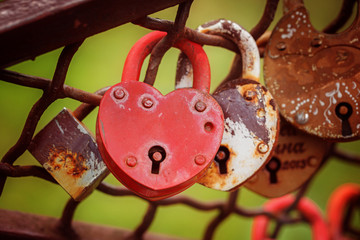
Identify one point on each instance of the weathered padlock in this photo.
(158, 145)
(314, 76)
(297, 157)
(251, 117)
(68, 151)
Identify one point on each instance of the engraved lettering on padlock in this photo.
(290, 148)
(221, 158)
(296, 158)
(273, 166)
(157, 154)
(343, 111)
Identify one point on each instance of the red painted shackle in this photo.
(193, 51)
(337, 205)
(308, 208)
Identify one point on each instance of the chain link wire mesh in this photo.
(55, 89)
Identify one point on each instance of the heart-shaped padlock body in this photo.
(251, 129)
(297, 157)
(144, 123)
(314, 77)
(159, 145)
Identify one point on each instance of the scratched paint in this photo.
(248, 122)
(244, 130)
(68, 151)
(245, 42)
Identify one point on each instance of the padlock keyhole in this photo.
(273, 166)
(221, 157)
(343, 111)
(157, 154)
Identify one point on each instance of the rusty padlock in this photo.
(158, 145)
(68, 151)
(297, 157)
(251, 117)
(314, 76)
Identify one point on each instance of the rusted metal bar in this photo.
(29, 28)
(25, 171)
(64, 224)
(345, 156)
(266, 19)
(204, 206)
(343, 16)
(191, 34)
(43, 83)
(17, 225)
(167, 42)
(86, 108)
(114, 190)
(145, 224)
(49, 96)
(227, 209)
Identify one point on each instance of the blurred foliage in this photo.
(97, 64)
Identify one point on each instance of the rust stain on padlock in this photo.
(297, 156)
(68, 151)
(73, 163)
(251, 120)
(315, 77)
(213, 178)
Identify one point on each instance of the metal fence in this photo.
(17, 24)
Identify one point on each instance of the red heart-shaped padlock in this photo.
(159, 145)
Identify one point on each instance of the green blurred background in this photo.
(97, 64)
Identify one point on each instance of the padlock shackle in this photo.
(193, 51)
(308, 208)
(337, 205)
(246, 43)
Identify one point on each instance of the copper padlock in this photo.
(314, 76)
(297, 157)
(68, 151)
(251, 117)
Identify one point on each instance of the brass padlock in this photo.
(68, 151)
(297, 157)
(315, 77)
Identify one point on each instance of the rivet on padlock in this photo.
(314, 76)
(158, 145)
(251, 117)
(297, 157)
(68, 151)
